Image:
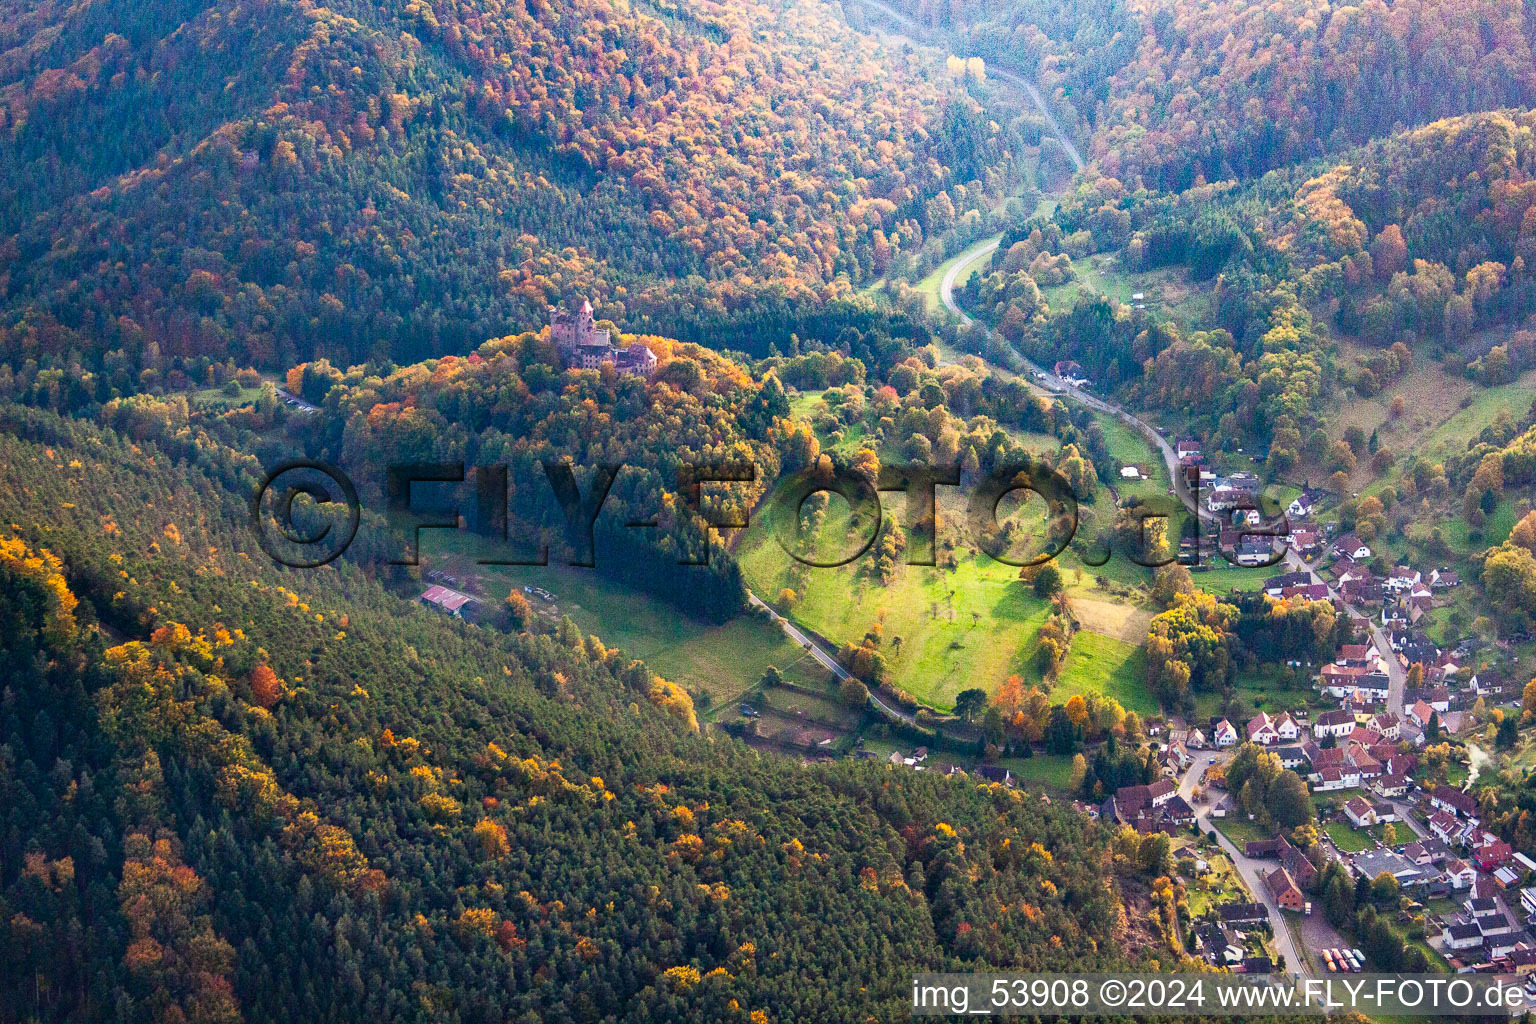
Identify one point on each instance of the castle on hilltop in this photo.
(585, 346)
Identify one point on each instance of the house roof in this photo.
(1280, 884)
(1243, 912)
(1357, 806)
(445, 598)
(1445, 822)
(1463, 802)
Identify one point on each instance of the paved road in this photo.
(1397, 675)
(295, 401)
(824, 657)
(916, 30)
(947, 286)
(1048, 382)
(1248, 869)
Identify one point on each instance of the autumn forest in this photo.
(668, 769)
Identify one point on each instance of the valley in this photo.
(527, 696)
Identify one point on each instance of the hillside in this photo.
(397, 181)
(1225, 88)
(282, 796)
(615, 701)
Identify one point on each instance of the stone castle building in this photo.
(585, 346)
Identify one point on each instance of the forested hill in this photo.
(232, 792)
(273, 181)
(1168, 92)
(1228, 88)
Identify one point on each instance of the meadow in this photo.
(722, 661)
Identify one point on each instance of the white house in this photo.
(1345, 776)
(1303, 505)
(1360, 813)
(1454, 801)
(1503, 943)
(1388, 724)
(1461, 936)
(1460, 874)
(1261, 730)
(1224, 734)
(1448, 829)
(1352, 547)
(1528, 901)
(1333, 723)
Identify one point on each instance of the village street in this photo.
(1315, 931)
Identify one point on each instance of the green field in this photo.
(720, 660)
(1214, 887)
(1221, 576)
(1101, 664)
(970, 627)
(1265, 690)
(1240, 830)
(1165, 289)
(1052, 771)
(215, 398)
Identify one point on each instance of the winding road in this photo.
(1396, 674)
(1048, 382)
(916, 30)
(1250, 870)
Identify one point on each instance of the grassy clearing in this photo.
(826, 708)
(215, 398)
(971, 627)
(1132, 449)
(1102, 664)
(1103, 274)
(1049, 770)
(1215, 886)
(720, 660)
(930, 286)
(1268, 689)
(1442, 413)
(1240, 830)
(1220, 576)
(1114, 619)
